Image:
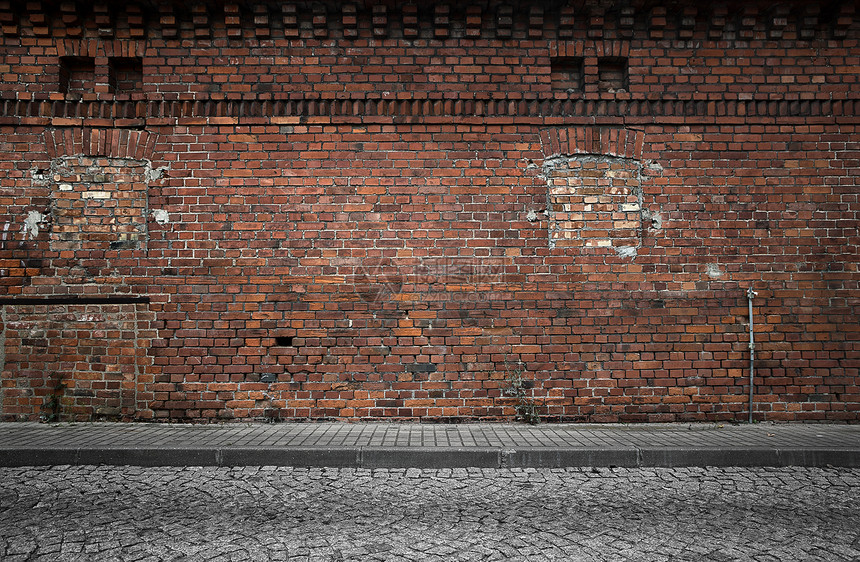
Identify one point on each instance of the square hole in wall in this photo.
(77, 75)
(566, 74)
(612, 74)
(125, 74)
(284, 341)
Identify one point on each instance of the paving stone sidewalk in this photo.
(389, 445)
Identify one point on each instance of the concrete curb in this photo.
(434, 457)
(560, 457)
(430, 457)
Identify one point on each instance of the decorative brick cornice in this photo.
(111, 143)
(605, 141)
(139, 114)
(239, 20)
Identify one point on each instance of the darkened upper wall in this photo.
(337, 50)
(430, 20)
(130, 66)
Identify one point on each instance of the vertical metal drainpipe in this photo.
(750, 296)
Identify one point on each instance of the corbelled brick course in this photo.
(429, 210)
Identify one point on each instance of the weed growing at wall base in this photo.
(521, 388)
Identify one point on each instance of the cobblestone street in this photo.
(133, 513)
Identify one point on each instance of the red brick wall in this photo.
(75, 361)
(339, 211)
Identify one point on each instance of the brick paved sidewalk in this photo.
(378, 445)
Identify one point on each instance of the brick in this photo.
(358, 211)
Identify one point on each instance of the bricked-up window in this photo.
(98, 203)
(77, 75)
(612, 74)
(566, 73)
(594, 202)
(125, 74)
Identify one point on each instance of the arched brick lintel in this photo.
(111, 143)
(100, 48)
(607, 141)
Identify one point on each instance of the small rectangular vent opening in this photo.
(284, 341)
(77, 75)
(566, 73)
(612, 74)
(125, 74)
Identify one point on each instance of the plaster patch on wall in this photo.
(31, 224)
(626, 251)
(714, 271)
(653, 167)
(160, 216)
(95, 195)
(652, 219)
(40, 176)
(155, 174)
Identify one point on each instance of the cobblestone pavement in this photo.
(133, 513)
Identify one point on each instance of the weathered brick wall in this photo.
(402, 211)
(75, 361)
